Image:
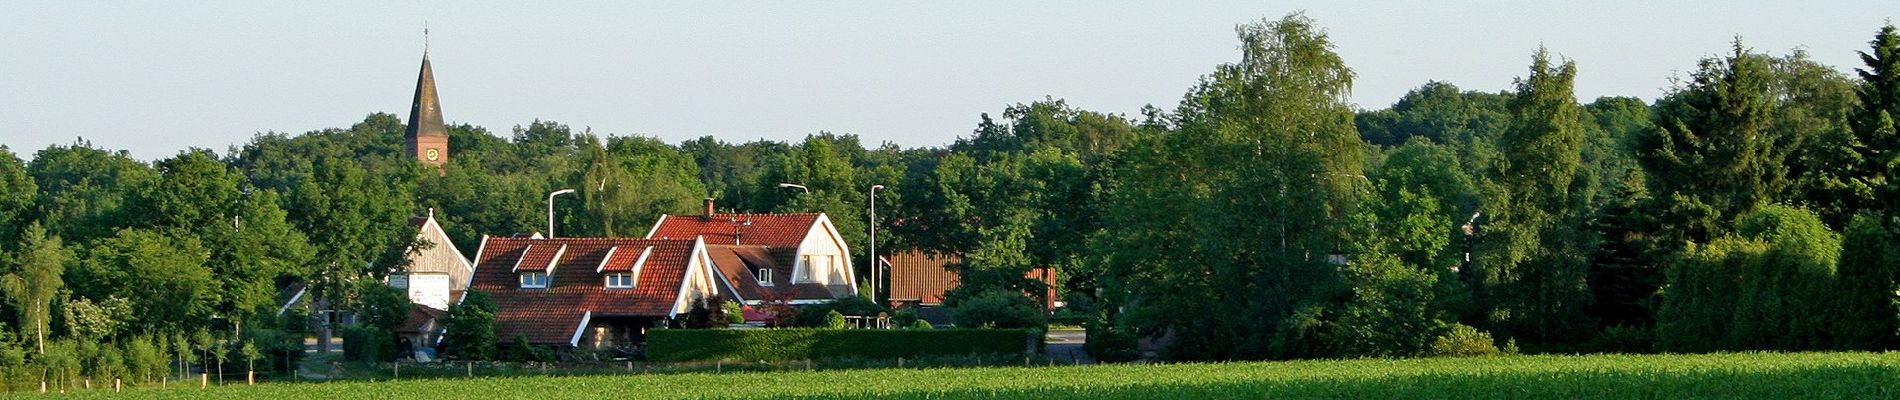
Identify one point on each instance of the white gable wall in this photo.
(699, 279)
(824, 258)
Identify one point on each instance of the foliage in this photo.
(668, 345)
(1771, 288)
(1464, 341)
(1869, 264)
(369, 343)
(998, 309)
(1713, 156)
(470, 327)
(521, 350)
(1531, 259)
(1233, 211)
(33, 290)
(1393, 312)
(734, 313)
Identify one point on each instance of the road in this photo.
(1066, 344)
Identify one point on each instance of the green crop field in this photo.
(1750, 375)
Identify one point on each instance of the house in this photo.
(919, 279)
(437, 272)
(594, 293)
(421, 331)
(799, 257)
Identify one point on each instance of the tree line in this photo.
(1262, 217)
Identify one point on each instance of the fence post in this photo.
(719, 366)
(629, 366)
(117, 385)
(250, 377)
(471, 367)
(398, 370)
(204, 380)
(900, 362)
(88, 383)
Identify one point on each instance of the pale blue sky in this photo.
(155, 78)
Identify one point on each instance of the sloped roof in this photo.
(420, 317)
(737, 264)
(776, 230)
(576, 288)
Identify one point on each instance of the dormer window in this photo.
(765, 276)
(620, 280)
(534, 280)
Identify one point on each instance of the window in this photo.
(765, 276)
(620, 280)
(534, 280)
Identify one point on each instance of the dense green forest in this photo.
(1263, 217)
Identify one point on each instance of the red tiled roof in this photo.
(552, 315)
(623, 258)
(420, 317)
(775, 230)
(540, 257)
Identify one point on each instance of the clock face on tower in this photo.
(433, 155)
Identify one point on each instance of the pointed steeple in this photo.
(427, 138)
(425, 113)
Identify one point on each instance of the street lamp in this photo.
(876, 270)
(551, 209)
(794, 185)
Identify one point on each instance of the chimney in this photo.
(709, 209)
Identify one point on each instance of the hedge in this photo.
(673, 345)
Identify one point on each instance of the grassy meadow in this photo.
(1735, 375)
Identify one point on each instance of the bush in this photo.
(735, 314)
(919, 324)
(1772, 288)
(470, 328)
(1464, 341)
(997, 309)
(834, 320)
(673, 345)
(368, 343)
(522, 351)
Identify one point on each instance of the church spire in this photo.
(427, 138)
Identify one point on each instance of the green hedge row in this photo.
(672, 345)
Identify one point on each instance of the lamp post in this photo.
(794, 185)
(551, 209)
(876, 270)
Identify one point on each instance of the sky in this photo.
(155, 78)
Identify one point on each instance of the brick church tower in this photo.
(427, 138)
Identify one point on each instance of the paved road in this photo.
(1066, 344)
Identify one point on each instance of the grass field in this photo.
(1747, 375)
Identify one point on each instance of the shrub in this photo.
(672, 345)
(1464, 341)
(997, 309)
(919, 324)
(735, 314)
(522, 351)
(905, 317)
(834, 320)
(368, 343)
(1772, 288)
(470, 328)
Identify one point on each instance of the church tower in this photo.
(427, 138)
